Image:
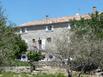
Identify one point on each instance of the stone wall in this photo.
(18, 69)
(36, 32)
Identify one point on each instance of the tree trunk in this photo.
(32, 66)
(82, 70)
(69, 72)
(79, 74)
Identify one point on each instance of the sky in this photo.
(22, 11)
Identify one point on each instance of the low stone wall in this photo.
(45, 69)
(16, 69)
(48, 63)
(49, 66)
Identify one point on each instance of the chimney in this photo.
(47, 19)
(47, 16)
(94, 9)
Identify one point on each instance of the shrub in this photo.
(34, 56)
(21, 63)
(11, 74)
(50, 75)
(84, 66)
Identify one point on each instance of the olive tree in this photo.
(83, 42)
(89, 38)
(10, 42)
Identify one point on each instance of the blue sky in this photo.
(21, 11)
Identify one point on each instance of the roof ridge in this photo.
(54, 20)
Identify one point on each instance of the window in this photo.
(49, 28)
(33, 40)
(46, 28)
(68, 26)
(40, 43)
(20, 31)
(49, 39)
(23, 30)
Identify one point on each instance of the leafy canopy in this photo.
(11, 44)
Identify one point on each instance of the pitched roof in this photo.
(54, 20)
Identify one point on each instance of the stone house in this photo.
(39, 34)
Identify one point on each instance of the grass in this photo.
(10, 74)
(21, 63)
(75, 74)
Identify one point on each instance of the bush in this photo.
(85, 66)
(34, 56)
(21, 63)
(50, 75)
(11, 74)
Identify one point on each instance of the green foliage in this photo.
(34, 56)
(6, 47)
(87, 40)
(50, 75)
(22, 46)
(10, 43)
(10, 74)
(20, 63)
(89, 26)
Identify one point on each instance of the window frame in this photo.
(49, 28)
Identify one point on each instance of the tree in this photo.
(89, 38)
(61, 48)
(22, 46)
(10, 43)
(83, 43)
(34, 56)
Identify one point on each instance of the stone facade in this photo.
(38, 34)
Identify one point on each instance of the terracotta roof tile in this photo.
(54, 20)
